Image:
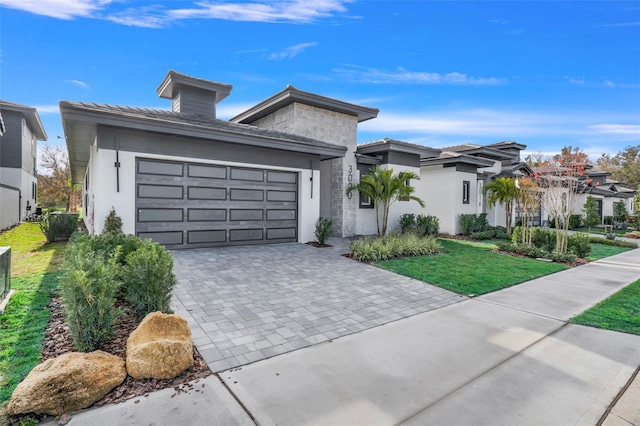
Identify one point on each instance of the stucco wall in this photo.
(332, 127)
(366, 218)
(441, 189)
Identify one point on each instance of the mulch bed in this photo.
(58, 341)
(317, 244)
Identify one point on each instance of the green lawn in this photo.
(34, 267)
(600, 251)
(595, 230)
(470, 268)
(620, 312)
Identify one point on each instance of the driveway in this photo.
(245, 304)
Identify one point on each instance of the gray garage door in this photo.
(184, 205)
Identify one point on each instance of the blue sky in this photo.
(546, 74)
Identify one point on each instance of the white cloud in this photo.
(291, 51)
(61, 9)
(623, 24)
(617, 129)
(157, 16)
(297, 11)
(79, 83)
(403, 76)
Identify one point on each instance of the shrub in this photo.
(612, 242)
(575, 221)
(620, 212)
(392, 246)
(467, 223)
(535, 252)
(149, 279)
(112, 223)
(608, 220)
(543, 238)
(407, 222)
(473, 223)
(89, 289)
(427, 225)
(579, 245)
(58, 226)
(501, 233)
(620, 224)
(483, 235)
(610, 236)
(552, 222)
(323, 229)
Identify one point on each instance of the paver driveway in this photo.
(249, 303)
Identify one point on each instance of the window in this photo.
(34, 191)
(465, 191)
(407, 183)
(365, 201)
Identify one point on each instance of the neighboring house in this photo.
(607, 192)
(187, 179)
(19, 136)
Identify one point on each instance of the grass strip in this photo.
(470, 268)
(22, 329)
(600, 251)
(620, 312)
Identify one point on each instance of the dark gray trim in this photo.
(451, 161)
(401, 159)
(2, 185)
(393, 145)
(173, 80)
(290, 95)
(30, 114)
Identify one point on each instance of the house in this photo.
(188, 179)
(607, 193)
(20, 131)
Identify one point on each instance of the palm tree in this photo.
(502, 190)
(384, 188)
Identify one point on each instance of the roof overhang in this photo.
(81, 128)
(507, 144)
(458, 159)
(393, 145)
(173, 79)
(290, 95)
(30, 114)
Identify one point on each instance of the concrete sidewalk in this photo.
(507, 358)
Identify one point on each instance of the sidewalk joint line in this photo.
(607, 412)
(463, 385)
(246, 410)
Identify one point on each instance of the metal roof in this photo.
(30, 114)
(398, 146)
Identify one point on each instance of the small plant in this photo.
(579, 245)
(543, 238)
(112, 223)
(608, 220)
(393, 246)
(323, 229)
(610, 236)
(575, 220)
(89, 291)
(407, 222)
(427, 225)
(58, 226)
(149, 279)
(620, 212)
(467, 222)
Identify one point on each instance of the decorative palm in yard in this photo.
(502, 190)
(384, 188)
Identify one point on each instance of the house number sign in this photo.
(350, 179)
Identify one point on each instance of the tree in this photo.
(528, 201)
(560, 178)
(620, 212)
(55, 187)
(592, 214)
(385, 188)
(624, 166)
(502, 190)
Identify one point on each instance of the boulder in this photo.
(632, 234)
(67, 383)
(160, 348)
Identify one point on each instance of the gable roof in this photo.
(30, 114)
(291, 94)
(175, 78)
(80, 121)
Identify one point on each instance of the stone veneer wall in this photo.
(332, 127)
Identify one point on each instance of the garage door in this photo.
(184, 205)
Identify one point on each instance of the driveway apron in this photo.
(248, 303)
